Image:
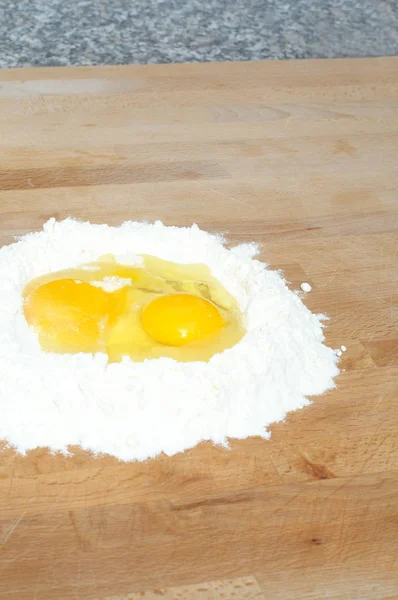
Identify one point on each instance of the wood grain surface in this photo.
(300, 156)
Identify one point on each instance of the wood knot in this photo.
(316, 541)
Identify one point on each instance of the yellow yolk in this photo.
(71, 316)
(177, 319)
(157, 309)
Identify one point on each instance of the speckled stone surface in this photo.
(95, 32)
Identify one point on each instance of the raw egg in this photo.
(177, 319)
(156, 309)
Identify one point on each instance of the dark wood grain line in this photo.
(86, 175)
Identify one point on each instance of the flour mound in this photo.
(137, 410)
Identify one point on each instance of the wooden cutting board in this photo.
(300, 156)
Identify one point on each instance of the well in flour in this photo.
(137, 410)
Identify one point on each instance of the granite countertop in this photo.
(95, 32)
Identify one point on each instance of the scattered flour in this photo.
(306, 287)
(137, 410)
(112, 283)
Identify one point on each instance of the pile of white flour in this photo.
(137, 410)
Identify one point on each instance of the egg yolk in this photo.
(71, 316)
(157, 309)
(177, 319)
